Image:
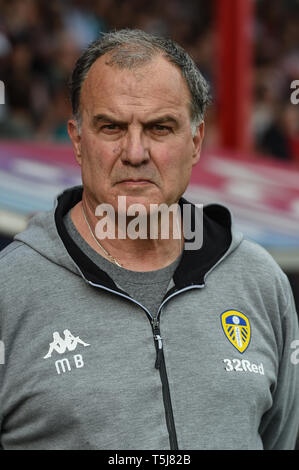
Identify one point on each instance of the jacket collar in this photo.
(194, 265)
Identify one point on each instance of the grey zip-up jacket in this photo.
(85, 366)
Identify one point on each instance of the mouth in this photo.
(133, 181)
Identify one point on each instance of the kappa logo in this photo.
(236, 328)
(61, 345)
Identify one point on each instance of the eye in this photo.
(110, 128)
(160, 129)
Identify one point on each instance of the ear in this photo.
(197, 141)
(72, 128)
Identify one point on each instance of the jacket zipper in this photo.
(159, 344)
(160, 359)
(160, 364)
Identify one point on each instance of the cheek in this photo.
(176, 162)
(95, 156)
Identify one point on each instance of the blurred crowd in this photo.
(275, 117)
(41, 40)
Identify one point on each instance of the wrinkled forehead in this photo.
(154, 79)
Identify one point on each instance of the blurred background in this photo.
(247, 49)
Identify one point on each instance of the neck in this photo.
(140, 254)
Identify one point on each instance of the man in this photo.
(187, 349)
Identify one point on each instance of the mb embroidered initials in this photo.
(62, 345)
(64, 364)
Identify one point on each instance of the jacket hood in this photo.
(47, 235)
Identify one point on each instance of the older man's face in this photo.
(135, 137)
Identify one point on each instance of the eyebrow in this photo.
(159, 119)
(162, 119)
(105, 118)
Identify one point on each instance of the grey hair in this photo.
(132, 48)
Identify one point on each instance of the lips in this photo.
(132, 180)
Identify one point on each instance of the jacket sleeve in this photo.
(279, 426)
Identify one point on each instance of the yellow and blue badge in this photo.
(236, 328)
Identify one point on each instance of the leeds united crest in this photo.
(236, 328)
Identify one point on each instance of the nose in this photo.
(134, 151)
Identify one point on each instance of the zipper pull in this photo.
(155, 323)
(159, 351)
